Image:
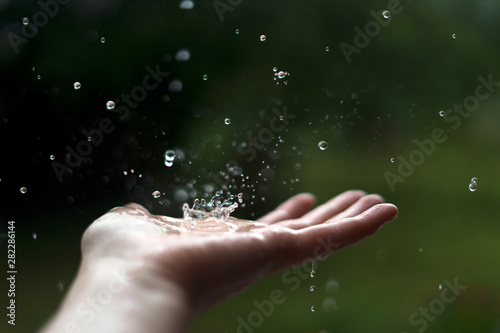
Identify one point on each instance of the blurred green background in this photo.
(426, 58)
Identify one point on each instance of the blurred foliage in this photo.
(369, 110)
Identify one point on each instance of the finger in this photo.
(326, 211)
(359, 206)
(293, 208)
(294, 248)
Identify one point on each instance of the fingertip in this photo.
(393, 210)
(307, 196)
(386, 212)
(356, 191)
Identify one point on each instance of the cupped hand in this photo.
(209, 265)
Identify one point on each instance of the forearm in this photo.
(111, 296)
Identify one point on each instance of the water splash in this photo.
(214, 213)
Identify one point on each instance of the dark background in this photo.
(368, 110)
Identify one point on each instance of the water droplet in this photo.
(442, 113)
(392, 160)
(332, 286)
(23, 190)
(275, 69)
(175, 86)
(103, 40)
(60, 286)
(227, 121)
(183, 55)
(110, 105)
(205, 77)
(386, 14)
(38, 77)
(156, 194)
(473, 184)
(35, 236)
(52, 157)
(186, 4)
(323, 145)
(169, 158)
(77, 85)
(440, 286)
(313, 273)
(421, 250)
(312, 288)
(26, 21)
(33, 69)
(454, 36)
(237, 31)
(313, 308)
(281, 74)
(263, 38)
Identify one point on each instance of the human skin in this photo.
(138, 276)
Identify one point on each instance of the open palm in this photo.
(211, 265)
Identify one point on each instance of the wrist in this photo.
(114, 295)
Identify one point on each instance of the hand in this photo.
(202, 267)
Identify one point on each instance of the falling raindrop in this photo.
(275, 69)
(473, 184)
(312, 288)
(323, 145)
(103, 40)
(52, 157)
(156, 194)
(183, 55)
(392, 160)
(23, 190)
(327, 49)
(110, 105)
(237, 31)
(77, 85)
(227, 121)
(454, 36)
(38, 77)
(421, 250)
(205, 77)
(441, 113)
(186, 4)
(263, 38)
(440, 286)
(169, 158)
(313, 308)
(386, 14)
(26, 21)
(60, 286)
(35, 236)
